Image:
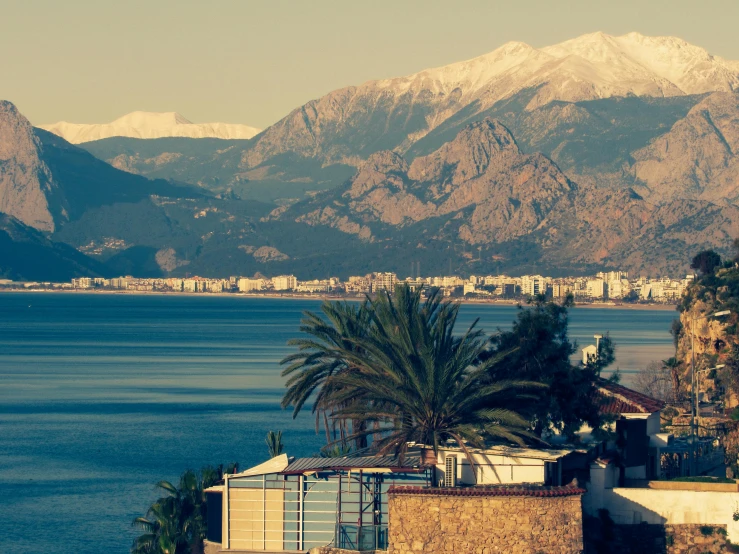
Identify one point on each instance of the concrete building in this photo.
(382, 281)
(531, 285)
(596, 288)
(250, 285)
(83, 283)
(285, 282)
(288, 504)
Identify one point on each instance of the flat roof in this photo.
(516, 451)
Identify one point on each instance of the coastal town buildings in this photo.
(612, 286)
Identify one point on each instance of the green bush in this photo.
(706, 530)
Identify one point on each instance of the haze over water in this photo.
(103, 395)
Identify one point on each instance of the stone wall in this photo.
(485, 521)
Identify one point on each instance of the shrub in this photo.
(706, 530)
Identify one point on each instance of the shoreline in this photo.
(321, 297)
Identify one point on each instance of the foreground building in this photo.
(297, 504)
(495, 499)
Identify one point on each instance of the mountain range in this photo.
(599, 152)
(149, 125)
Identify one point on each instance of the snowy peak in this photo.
(152, 119)
(149, 125)
(592, 66)
(690, 68)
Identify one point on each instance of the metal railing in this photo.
(365, 537)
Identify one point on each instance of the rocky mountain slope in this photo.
(698, 157)
(592, 154)
(149, 125)
(45, 181)
(353, 122)
(481, 192)
(27, 255)
(27, 188)
(592, 104)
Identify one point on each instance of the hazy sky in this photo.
(253, 61)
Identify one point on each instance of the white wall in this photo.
(630, 506)
(494, 470)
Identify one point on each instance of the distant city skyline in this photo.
(253, 62)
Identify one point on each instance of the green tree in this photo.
(631, 297)
(311, 370)
(274, 443)
(163, 529)
(176, 523)
(706, 262)
(411, 379)
(541, 351)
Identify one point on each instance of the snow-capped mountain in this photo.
(596, 65)
(149, 125)
(348, 124)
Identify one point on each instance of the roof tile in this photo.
(617, 399)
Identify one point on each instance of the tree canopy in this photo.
(540, 350)
(406, 376)
(176, 522)
(394, 369)
(706, 262)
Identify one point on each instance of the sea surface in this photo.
(103, 395)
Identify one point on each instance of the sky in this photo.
(252, 62)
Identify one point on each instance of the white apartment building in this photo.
(596, 288)
(382, 281)
(82, 283)
(618, 288)
(313, 286)
(469, 288)
(176, 285)
(120, 282)
(561, 290)
(531, 285)
(249, 285)
(285, 282)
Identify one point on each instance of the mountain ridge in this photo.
(149, 125)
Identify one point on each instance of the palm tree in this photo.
(274, 443)
(177, 522)
(311, 369)
(407, 372)
(163, 529)
(673, 365)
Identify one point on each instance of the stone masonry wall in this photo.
(441, 521)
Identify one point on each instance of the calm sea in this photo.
(103, 395)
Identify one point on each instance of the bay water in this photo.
(103, 395)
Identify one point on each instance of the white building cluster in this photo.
(612, 285)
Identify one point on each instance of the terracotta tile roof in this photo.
(617, 399)
(514, 490)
